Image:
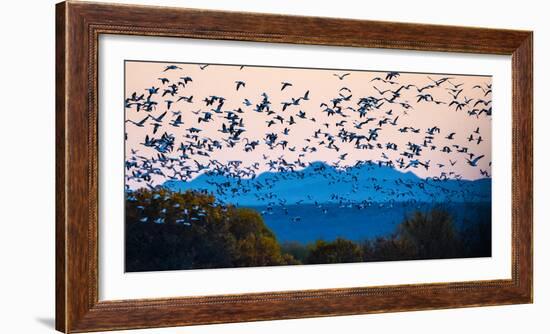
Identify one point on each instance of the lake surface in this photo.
(307, 222)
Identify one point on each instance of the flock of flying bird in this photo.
(187, 135)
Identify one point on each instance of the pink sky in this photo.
(323, 86)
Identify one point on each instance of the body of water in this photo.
(308, 222)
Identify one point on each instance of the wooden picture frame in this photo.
(78, 26)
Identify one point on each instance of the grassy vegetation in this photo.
(169, 231)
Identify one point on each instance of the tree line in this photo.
(168, 230)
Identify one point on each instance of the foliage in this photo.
(297, 250)
(432, 234)
(391, 248)
(476, 235)
(169, 230)
(338, 251)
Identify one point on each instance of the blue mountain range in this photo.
(322, 183)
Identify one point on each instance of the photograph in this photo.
(236, 165)
(278, 166)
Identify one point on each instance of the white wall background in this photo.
(27, 70)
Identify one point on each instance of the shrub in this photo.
(476, 235)
(432, 234)
(169, 231)
(338, 251)
(189, 231)
(388, 249)
(296, 249)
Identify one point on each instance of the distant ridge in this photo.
(322, 183)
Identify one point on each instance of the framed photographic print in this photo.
(211, 169)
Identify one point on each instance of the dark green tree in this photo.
(169, 230)
(338, 251)
(432, 234)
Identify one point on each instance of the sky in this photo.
(404, 118)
